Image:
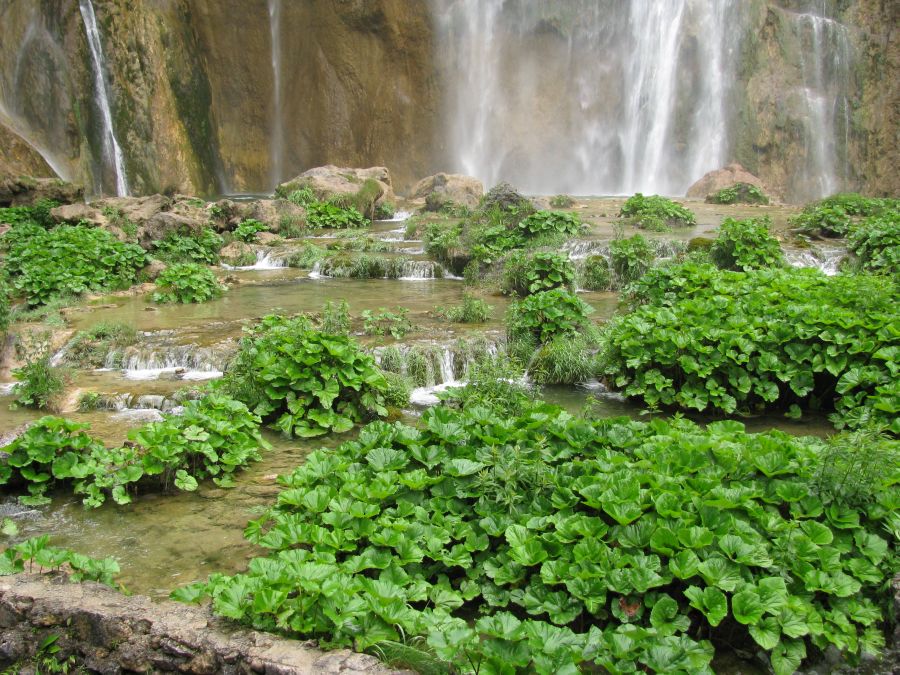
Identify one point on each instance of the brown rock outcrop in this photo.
(25, 190)
(329, 181)
(450, 187)
(723, 178)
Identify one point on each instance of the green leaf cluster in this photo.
(212, 438)
(384, 322)
(546, 315)
(306, 382)
(202, 247)
(744, 245)
(548, 543)
(656, 213)
(37, 214)
(525, 273)
(325, 215)
(69, 260)
(37, 552)
(247, 230)
(544, 223)
(706, 339)
(472, 310)
(835, 216)
(185, 283)
(876, 244)
(739, 193)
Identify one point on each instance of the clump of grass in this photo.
(472, 310)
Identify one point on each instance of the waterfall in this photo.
(589, 97)
(277, 142)
(112, 152)
(265, 260)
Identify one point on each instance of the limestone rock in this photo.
(25, 190)
(237, 253)
(163, 223)
(450, 187)
(723, 178)
(76, 213)
(272, 212)
(329, 181)
(153, 269)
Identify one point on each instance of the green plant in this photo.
(202, 247)
(306, 256)
(336, 318)
(322, 214)
(90, 348)
(834, 216)
(541, 542)
(37, 214)
(365, 266)
(494, 381)
(546, 315)
(363, 200)
(303, 197)
(247, 230)
(630, 258)
(384, 322)
(117, 218)
(187, 282)
(385, 211)
(564, 360)
(305, 382)
(291, 227)
(544, 223)
(744, 245)
(656, 213)
(472, 310)
(4, 306)
(527, 273)
(705, 339)
(594, 274)
(562, 202)
(443, 242)
(876, 243)
(739, 193)
(37, 551)
(397, 391)
(71, 260)
(39, 383)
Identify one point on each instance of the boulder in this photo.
(237, 253)
(272, 212)
(723, 178)
(152, 270)
(25, 190)
(163, 223)
(330, 181)
(450, 187)
(76, 213)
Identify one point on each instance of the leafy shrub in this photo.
(739, 193)
(730, 341)
(385, 211)
(594, 274)
(248, 229)
(656, 213)
(71, 260)
(526, 273)
(834, 216)
(548, 543)
(472, 310)
(443, 243)
(746, 245)
(363, 200)
(546, 315)
(212, 438)
(4, 305)
(90, 348)
(37, 214)
(564, 360)
(39, 384)
(496, 382)
(37, 551)
(630, 258)
(187, 282)
(397, 390)
(336, 318)
(201, 248)
(550, 222)
(305, 257)
(322, 214)
(384, 322)
(302, 197)
(876, 243)
(562, 202)
(365, 267)
(306, 382)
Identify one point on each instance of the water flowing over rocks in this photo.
(112, 633)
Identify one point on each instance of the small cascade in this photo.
(277, 142)
(580, 251)
(826, 259)
(265, 260)
(424, 270)
(112, 151)
(398, 217)
(380, 267)
(156, 356)
(116, 402)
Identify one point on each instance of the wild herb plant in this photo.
(546, 315)
(533, 272)
(186, 283)
(739, 193)
(472, 310)
(325, 215)
(384, 322)
(656, 213)
(875, 244)
(202, 248)
(247, 230)
(37, 552)
(744, 245)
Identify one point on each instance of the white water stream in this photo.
(277, 140)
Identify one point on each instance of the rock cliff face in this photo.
(212, 96)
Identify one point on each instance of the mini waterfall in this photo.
(277, 142)
(112, 152)
(826, 259)
(155, 357)
(265, 260)
(589, 97)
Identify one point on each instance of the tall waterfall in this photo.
(588, 96)
(277, 142)
(112, 152)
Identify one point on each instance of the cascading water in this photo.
(277, 142)
(612, 97)
(112, 151)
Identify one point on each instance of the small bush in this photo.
(248, 229)
(185, 283)
(336, 318)
(739, 193)
(202, 248)
(546, 315)
(397, 390)
(303, 197)
(495, 382)
(527, 273)
(656, 213)
(744, 245)
(631, 258)
(472, 310)
(291, 227)
(564, 360)
(90, 348)
(595, 274)
(324, 215)
(306, 256)
(384, 322)
(39, 384)
(550, 223)
(834, 216)
(562, 202)
(37, 214)
(876, 243)
(385, 211)
(443, 242)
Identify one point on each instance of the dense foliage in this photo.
(90, 348)
(69, 260)
(323, 214)
(247, 230)
(37, 214)
(472, 310)
(768, 339)
(744, 245)
(212, 438)
(594, 274)
(202, 247)
(546, 315)
(39, 384)
(630, 258)
(876, 243)
(4, 305)
(547, 543)
(656, 213)
(37, 551)
(186, 283)
(834, 216)
(550, 222)
(306, 382)
(525, 273)
(739, 193)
